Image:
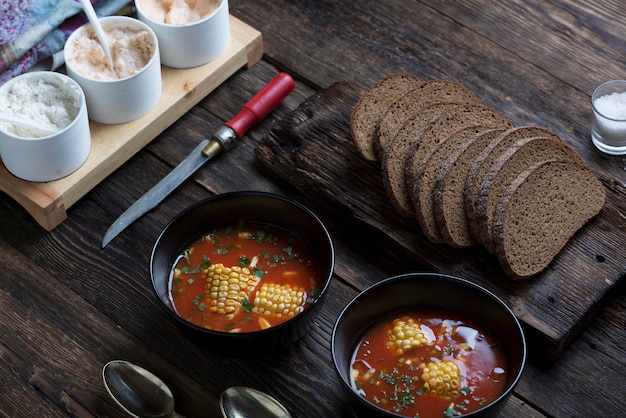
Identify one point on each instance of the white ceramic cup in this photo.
(189, 45)
(53, 156)
(121, 100)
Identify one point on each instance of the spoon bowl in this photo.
(137, 391)
(141, 394)
(241, 402)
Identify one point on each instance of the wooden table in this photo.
(67, 306)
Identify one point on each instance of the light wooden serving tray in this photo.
(113, 145)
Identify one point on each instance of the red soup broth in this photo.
(244, 277)
(429, 363)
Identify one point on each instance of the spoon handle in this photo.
(25, 124)
(95, 23)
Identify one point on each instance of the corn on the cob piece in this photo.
(405, 334)
(279, 300)
(441, 379)
(226, 287)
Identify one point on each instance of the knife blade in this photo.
(223, 139)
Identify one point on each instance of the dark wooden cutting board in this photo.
(312, 149)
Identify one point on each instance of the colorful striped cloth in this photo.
(34, 31)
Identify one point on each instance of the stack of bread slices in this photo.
(469, 176)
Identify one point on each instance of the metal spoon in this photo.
(137, 391)
(143, 395)
(242, 402)
(95, 23)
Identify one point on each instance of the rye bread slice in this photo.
(523, 154)
(395, 156)
(373, 104)
(420, 189)
(430, 170)
(485, 161)
(541, 210)
(450, 216)
(405, 107)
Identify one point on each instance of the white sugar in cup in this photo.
(53, 101)
(133, 93)
(187, 45)
(608, 126)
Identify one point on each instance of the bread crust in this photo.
(405, 107)
(372, 105)
(486, 159)
(420, 185)
(395, 156)
(521, 155)
(540, 212)
(432, 168)
(450, 215)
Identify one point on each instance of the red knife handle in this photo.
(261, 104)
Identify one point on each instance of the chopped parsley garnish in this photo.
(206, 263)
(290, 254)
(260, 235)
(450, 351)
(199, 303)
(226, 250)
(247, 306)
(258, 273)
(450, 411)
(314, 292)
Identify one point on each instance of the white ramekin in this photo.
(119, 100)
(54, 156)
(191, 45)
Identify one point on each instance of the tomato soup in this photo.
(243, 278)
(429, 363)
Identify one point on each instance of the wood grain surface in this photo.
(67, 306)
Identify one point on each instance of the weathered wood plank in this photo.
(496, 50)
(574, 38)
(18, 396)
(56, 342)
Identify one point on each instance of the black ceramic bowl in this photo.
(413, 290)
(228, 209)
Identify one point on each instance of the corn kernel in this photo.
(404, 335)
(279, 300)
(225, 288)
(441, 379)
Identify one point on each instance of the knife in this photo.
(223, 139)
